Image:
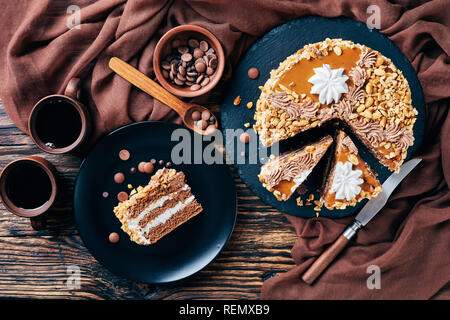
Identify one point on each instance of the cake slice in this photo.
(285, 173)
(350, 179)
(157, 209)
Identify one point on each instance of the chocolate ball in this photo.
(141, 166)
(206, 115)
(114, 237)
(124, 155)
(253, 73)
(202, 124)
(122, 196)
(149, 167)
(196, 115)
(210, 129)
(119, 178)
(244, 137)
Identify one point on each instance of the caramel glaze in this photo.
(284, 187)
(304, 69)
(368, 186)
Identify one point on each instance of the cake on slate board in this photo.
(338, 79)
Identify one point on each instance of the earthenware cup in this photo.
(28, 188)
(60, 117)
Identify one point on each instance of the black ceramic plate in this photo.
(266, 54)
(185, 250)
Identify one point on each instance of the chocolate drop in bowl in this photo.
(183, 34)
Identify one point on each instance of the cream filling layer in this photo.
(298, 180)
(160, 219)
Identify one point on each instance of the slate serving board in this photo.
(266, 54)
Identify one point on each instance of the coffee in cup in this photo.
(60, 123)
(28, 186)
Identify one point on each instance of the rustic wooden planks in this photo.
(34, 264)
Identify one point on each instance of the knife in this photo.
(364, 216)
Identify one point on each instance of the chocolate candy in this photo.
(149, 167)
(253, 73)
(202, 124)
(196, 115)
(119, 178)
(122, 196)
(210, 129)
(113, 237)
(124, 155)
(244, 137)
(141, 166)
(204, 45)
(206, 115)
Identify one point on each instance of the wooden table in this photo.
(34, 264)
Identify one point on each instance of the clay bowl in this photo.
(184, 33)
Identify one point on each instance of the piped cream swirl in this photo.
(402, 137)
(288, 170)
(372, 131)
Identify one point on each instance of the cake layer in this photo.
(157, 209)
(282, 175)
(336, 78)
(350, 179)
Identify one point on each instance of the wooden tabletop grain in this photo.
(38, 264)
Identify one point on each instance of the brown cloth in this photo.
(408, 240)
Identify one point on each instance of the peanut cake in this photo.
(282, 175)
(350, 179)
(338, 79)
(153, 211)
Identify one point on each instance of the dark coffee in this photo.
(28, 186)
(58, 123)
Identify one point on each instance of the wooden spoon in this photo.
(149, 86)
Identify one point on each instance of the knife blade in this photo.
(370, 210)
(374, 205)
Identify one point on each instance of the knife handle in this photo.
(316, 269)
